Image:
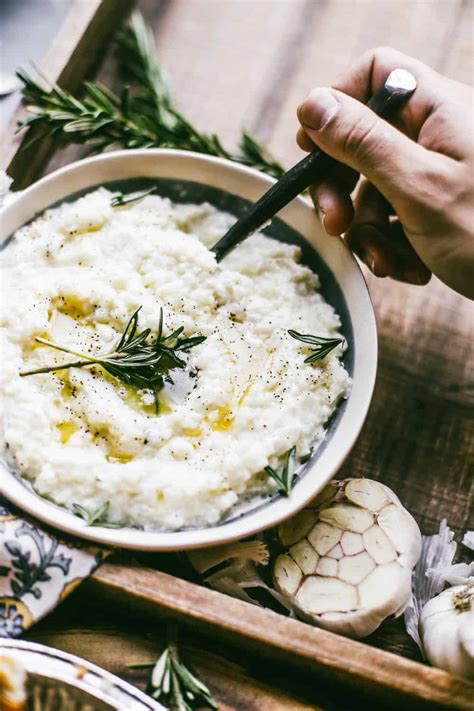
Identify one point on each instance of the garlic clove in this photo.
(385, 584)
(304, 556)
(318, 595)
(366, 493)
(403, 531)
(351, 624)
(352, 543)
(466, 635)
(378, 545)
(327, 567)
(323, 537)
(348, 517)
(327, 494)
(296, 528)
(287, 575)
(336, 552)
(355, 568)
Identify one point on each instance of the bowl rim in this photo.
(248, 183)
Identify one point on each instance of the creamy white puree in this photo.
(75, 275)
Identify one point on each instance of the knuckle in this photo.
(432, 192)
(361, 139)
(436, 187)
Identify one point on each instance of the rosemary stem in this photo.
(141, 665)
(64, 366)
(57, 347)
(111, 355)
(85, 359)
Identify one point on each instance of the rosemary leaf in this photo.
(286, 475)
(136, 360)
(323, 346)
(96, 518)
(142, 116)
(175, 685)
(121, 199)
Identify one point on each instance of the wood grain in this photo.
(115, 635)
(235, 686)
(75, 50)
(237, 63)
(265, 632)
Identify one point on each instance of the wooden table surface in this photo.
(234, 63)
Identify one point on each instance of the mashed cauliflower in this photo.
(75, 275)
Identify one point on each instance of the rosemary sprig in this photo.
(142, 117)
(121, 199)
(286, 475)
(96, 518)
(173, 684)
(136, 359)
(323, 346)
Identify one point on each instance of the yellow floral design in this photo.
(15, 616)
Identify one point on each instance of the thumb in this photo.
(353, 134)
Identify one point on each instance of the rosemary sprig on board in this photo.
(285, 476)
(136, 360)
(140, 117)
(323, 346)
(173, 684)
(96, 518)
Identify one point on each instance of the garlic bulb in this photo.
(447, 630)
(349, 557)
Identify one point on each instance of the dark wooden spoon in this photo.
(394, 93)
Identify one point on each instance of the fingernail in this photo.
(323, 220)
(371, 261)
(415, 276)
(378, 270)
(318, 109)
(321, 215)
(313, 193)
(367, 258)
(319, 208)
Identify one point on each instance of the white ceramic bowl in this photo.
(340, 273)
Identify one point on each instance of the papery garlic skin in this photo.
(349, 557)
(447, 630)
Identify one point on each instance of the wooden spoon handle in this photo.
(394, 93)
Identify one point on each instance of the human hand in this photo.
(413, 213)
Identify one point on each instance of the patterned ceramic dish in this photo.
(58, 681)
(194, 178)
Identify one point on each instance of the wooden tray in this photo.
(433, 400)
(389, 678)
(76, 49)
